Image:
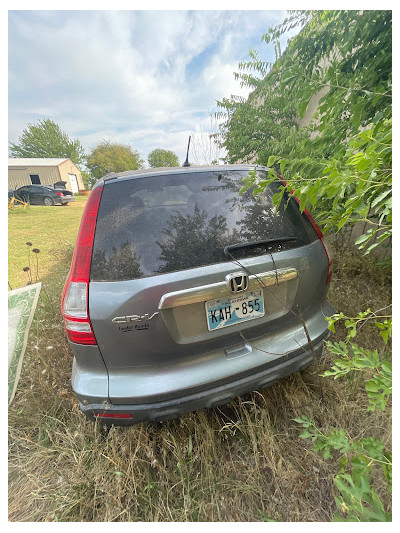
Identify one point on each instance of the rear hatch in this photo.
(183, 265)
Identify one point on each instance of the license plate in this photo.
(230, 311)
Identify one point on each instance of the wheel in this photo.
(47, 201)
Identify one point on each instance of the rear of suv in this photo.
(183, 294)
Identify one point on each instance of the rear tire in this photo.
(47, 201)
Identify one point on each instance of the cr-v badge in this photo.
(133, 318)
(133, 322)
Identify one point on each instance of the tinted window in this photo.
(160, 224)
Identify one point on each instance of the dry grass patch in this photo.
(240, 462)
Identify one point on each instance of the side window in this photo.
(35, 179)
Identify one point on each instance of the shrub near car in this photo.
(42, 195)
(183, 294)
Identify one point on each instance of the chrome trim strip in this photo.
(219, 290)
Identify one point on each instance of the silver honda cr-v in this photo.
(183, 294)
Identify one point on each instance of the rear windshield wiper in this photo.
(266, 243)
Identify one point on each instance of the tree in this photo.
(340, 164)
(265, 124)
(162, 158)
(112, 157)
(88, 179)
(46, 139)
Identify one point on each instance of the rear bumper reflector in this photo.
(112, 415)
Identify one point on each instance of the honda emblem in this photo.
(237, 282)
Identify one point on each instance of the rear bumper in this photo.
(67, 199)
(222, 394)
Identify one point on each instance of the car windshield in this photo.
(160, 224)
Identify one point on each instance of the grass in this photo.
(47, 228)
(240, 462)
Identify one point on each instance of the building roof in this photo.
(35, 161)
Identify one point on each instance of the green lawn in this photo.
(50, 229)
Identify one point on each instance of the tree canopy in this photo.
(162, 158)
(341, 161)
(112, 157)
(46, 139)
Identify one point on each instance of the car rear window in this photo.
(165, 223)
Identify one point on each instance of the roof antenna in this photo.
(186, 163)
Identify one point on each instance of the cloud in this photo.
(141, 78)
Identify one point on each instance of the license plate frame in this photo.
(230, 311)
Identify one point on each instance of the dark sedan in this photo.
(42, 195)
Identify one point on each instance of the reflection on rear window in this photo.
(159, 224)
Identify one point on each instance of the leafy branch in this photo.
(355, 358)
(352, 323)
(358, 188)
(357, 501)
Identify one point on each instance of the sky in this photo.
(148, 79)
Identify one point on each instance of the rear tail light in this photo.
(59, 193)
(75, 299)
(80, 332)
(330, 262)
(318, 232)
(324, 244)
